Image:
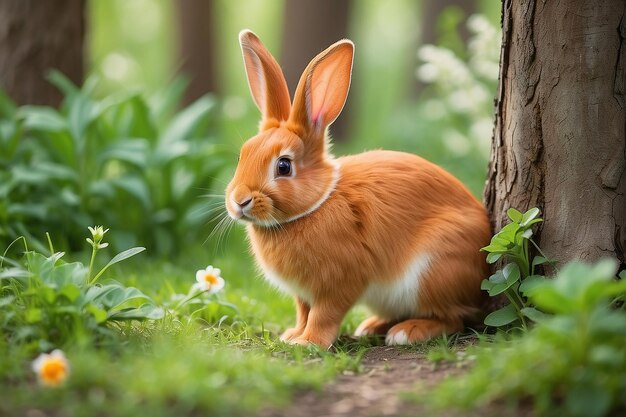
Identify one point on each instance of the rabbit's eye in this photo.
(283, 167)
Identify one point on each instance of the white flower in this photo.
(52, 369)
(209, 279)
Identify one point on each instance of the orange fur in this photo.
(338, 230)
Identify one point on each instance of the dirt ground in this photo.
(377, 391)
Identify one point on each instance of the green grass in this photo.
(220, 360)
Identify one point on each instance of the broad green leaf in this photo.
(511, 273)
(498, 277)
(531, 284)
(125, 255)
(508, 233)
(493, 257)
(99, 314)
(514, 215)
(502, 317)
(497, 284)
(132, 151)
(529, 216)
(495, 249)
(534, 314)
(14, 273)
(71, 292)
(42, 118)
(539, 260)
(135, 187)
(81, 111)
(486, 285)
(189, 122)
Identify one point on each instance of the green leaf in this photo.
(495, 249)
(493, 257)
(99, 314)
(529, 216)
(502, 317)
(6, 301)
(145, 312)
(33, 315)
(60, 81)
(486, 285)
(71, 292)
(514, 215)
(586, 399)
(534, 314)
(508, 234)
(532, 284)
(189, 122)
(42, 118)
(136, 187)
(132, 151)
(125, 255)
(539, 260)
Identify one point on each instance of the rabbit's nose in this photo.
(246, 202)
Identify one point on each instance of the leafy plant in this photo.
(517, 276)
(121, 160)
(46, 302)
(572, 363)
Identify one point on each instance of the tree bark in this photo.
(560, 135)
(309, 27)
(197, 47)
(35, 37)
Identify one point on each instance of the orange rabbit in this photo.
(388, 229)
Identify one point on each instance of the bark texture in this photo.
(197, 47)
(35, 37)
(560, 134)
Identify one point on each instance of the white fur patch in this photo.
(397, 338)
(287, 286)
(397, 299)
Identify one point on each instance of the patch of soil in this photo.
(377, 391)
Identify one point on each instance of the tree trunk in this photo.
(310, 26)
(560, 135)
(197, 47)
(35, 37)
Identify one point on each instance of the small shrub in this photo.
(121, 160)
(46, 302)
(517, 276)
(572, 363)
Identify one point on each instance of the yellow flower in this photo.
(209, 279)
(52, 369)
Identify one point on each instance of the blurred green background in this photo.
(150, 139)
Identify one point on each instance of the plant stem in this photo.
(93, 257)
(50, 243)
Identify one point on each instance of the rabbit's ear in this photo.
(323, 88)
(265, 78)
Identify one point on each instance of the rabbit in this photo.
(388, 229)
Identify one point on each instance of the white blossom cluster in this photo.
(464, 87)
